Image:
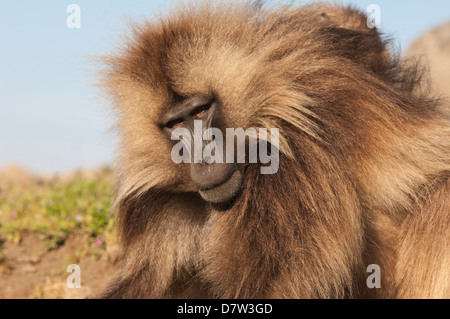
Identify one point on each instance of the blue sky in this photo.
(52, 118)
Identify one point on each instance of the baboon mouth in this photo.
(225, 191)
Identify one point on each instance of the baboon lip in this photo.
(225, 191)
(224, 181)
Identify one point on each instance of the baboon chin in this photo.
(362, 159)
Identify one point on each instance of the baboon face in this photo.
(170, 80)
(216, 182)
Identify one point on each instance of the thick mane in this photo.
(359, 137)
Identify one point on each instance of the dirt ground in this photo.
(30, 270)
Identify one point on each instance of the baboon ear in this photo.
(351, 36)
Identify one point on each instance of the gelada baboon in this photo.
(364, 159)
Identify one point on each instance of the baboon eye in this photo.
(201, 111)
(174, 124)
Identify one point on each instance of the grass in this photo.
(58, 207)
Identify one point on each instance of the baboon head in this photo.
(351, 143)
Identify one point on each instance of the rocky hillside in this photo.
(434, 46)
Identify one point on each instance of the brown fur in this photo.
(364, 163)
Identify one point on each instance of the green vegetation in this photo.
(58, 207)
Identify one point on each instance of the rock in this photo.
(434, 46)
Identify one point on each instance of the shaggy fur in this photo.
(364, 163)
